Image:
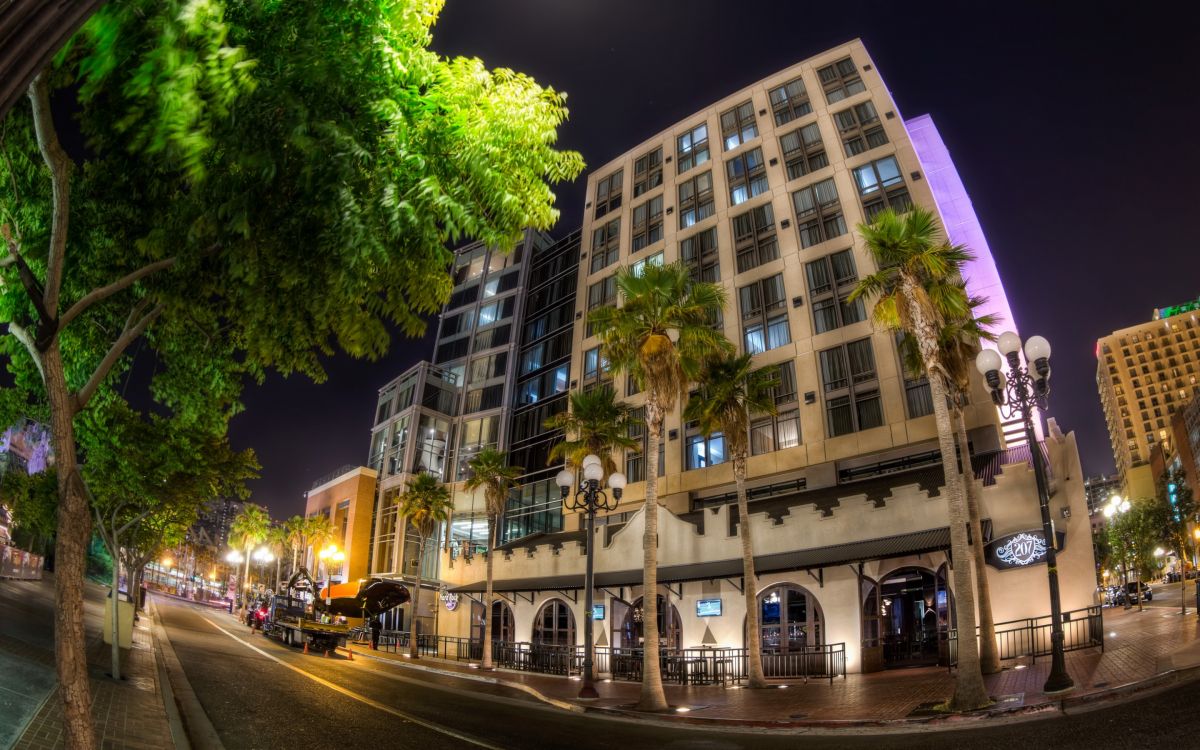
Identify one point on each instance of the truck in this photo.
(303, 616)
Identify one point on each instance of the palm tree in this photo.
(319, 531)
(425, 505)
(917, 289)
(730, 390)
(490, 470)
(597, 424)
(297, 530)
(249, 528)
(661, 336)
(959, 343)
(277, 542)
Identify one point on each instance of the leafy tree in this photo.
(662, 336)
(1133, 535)
(958, 341)
(425, 505)
(596, 424)
(263, 183)
(318, 530)
(277, 542)
(731, 389)
(1175, 510)
(33, 500)
(297, 532)
(916, 289)
(490, 470)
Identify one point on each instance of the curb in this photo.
(194, 727)
(532, 692)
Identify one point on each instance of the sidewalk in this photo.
(1141, 649)
(130, 714)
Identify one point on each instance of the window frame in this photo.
(739, 126)
(788, 105)
(816, 222)
(758, 245)
(742, 173)
(608, 194)
(805, 158)
(700, 204)
(647, 172)
(697, 150)
(606, 245)
(650, 229)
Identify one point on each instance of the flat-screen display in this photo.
(708, 608)
(597, 611)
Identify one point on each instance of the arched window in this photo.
(503, 624)
(791, 619)
(554, 624)
(633, 630)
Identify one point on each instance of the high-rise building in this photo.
(1144, 374)
(761, 192)
(212, 526)
(1099, 490)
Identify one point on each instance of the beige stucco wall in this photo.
(358, 487)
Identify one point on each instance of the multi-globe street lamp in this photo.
(331, 554)
(589, 498)
(1024, 389)
(264, 556)
(1116, 506)
(235, 559)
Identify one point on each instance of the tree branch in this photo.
(127, 337)
(32, 288)
(23, 336)
(104, 292)
(60, 174)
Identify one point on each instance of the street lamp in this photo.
(331, 553)
(1024, 389)
(588, 497)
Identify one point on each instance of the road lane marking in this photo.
(356, 696)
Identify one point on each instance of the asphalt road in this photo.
(260, 694)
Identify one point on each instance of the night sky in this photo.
(1072, 126)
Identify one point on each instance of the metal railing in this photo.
(1082, 628)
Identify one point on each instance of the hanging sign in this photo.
(449, 598)
(1019, 550)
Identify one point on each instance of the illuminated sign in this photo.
(708, 608)
(597, 611)
(1019, 550)
(1166, 312)
(450, 599)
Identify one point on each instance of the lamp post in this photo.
(331, 554)
(235, 559)
(1026, 388)
(588, 497)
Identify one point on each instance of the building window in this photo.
(488, 367)
(554, 624)
(647, 223)
(695, 200)
(635, 460)
(754, 238)
(830, 281)
(860, 128)
(763, 306)
(702, 451)
(840, 80)
(601, 294)
(790, 101)
(775, 433)
(738, 125)
(881, 186)
(595, 367)
(699, 253)
(651, 260)
(496, 311)
(818, 213)
(803, 151)
(785, 389)
(606, 245)
(647, 172)
(851, 388)
(691, 148)
(608, 193)
(747, 176)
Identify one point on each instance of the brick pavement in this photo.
(127, 715)
(1138, 646)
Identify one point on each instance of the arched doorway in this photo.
(503, 624)
(632, 633)
(554, 624)
(790, 619)
(915, 613)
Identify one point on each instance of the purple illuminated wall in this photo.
(962, 225)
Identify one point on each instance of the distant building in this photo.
(26, 447)
(346, 497)
(212, 527)
(1098, 491)
(1145, 373)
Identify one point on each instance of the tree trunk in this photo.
(749, 579)
(70, 563)
(487, 597)
(246, 584)
(969, 691)
(116, 617)
(278, 574)
(653, 698)
(1141, 605)
(413, 650)
(989, 655)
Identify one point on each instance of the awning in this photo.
(900, 545)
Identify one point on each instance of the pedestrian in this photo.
(376, 626)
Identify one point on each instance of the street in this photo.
(261, 694)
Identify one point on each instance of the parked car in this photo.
(1129, 594)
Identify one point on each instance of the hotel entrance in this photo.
(915, 616)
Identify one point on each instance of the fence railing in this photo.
(685, 666)
(1082, 628)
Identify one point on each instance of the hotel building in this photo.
(761, 192)
(1145, 373)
